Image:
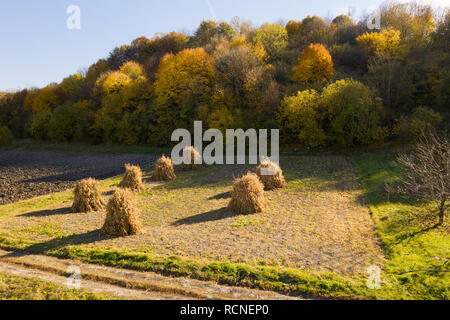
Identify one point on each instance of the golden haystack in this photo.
(270, 175)
(247, 195)
(194, 155)
(122, 215)
(163, 169)
(132, 179)
(87, 196)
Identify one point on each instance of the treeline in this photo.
(322, 83)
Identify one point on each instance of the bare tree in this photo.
(426, 172)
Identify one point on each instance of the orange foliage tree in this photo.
(314, 65)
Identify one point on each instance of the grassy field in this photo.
(417, 251)
(318, 237)
(21, 288)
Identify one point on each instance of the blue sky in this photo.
(37, 47)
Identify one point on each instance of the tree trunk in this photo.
(441, 213)
(441, 216)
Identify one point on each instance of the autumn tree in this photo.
(273, 38)
(302, 118)
(183, 85)
(414, 21)
(354, 113)
(387, 70)
(426, 173)
(314, 65)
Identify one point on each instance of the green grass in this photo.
(417, 251)
(410, 241)
(46, 201)
(22, 288)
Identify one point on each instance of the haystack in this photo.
(122, 217)
(163, 169)
(248, 195)
(270, 175)
(87, 196)
(132, 179)
(194, 155)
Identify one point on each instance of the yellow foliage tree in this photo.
(132, 69)
(113, 82)
(314, 65)
(384, 44)
(183, 85)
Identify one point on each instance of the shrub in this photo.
(87, 196)
(248, 195)
(353, 113)
(409, 128)
(40, 125)
(132, 179)
(6, 136)
(314, 65)
(190, 164)
(270, 175)
(61, 124)
(163, 169)
(300, 115)
(122, 215)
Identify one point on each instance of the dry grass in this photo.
(317, 222)
(132, 179)
(247, 195)
(191, 165)
(271, 181)
(163, 170)
(122, 217)
(87, 196)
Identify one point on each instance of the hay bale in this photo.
(87, 196)
(248, 195)
(274, 179)
(132, 179)
(186, 165)
(163, 169)
(122, 215)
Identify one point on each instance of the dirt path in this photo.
(26, 174)
(125, 284)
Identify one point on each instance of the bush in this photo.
(410, 128)
(300, 115)
(6, 136)
(353, 113)
(40, 125)
(61, 125)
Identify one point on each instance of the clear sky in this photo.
(37, 47)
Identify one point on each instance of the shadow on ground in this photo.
(212, 215)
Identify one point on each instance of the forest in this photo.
(322, 83)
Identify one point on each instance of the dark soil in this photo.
(25, 174)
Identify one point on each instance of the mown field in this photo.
(318, 237)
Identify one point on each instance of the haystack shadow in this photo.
(212, 215)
